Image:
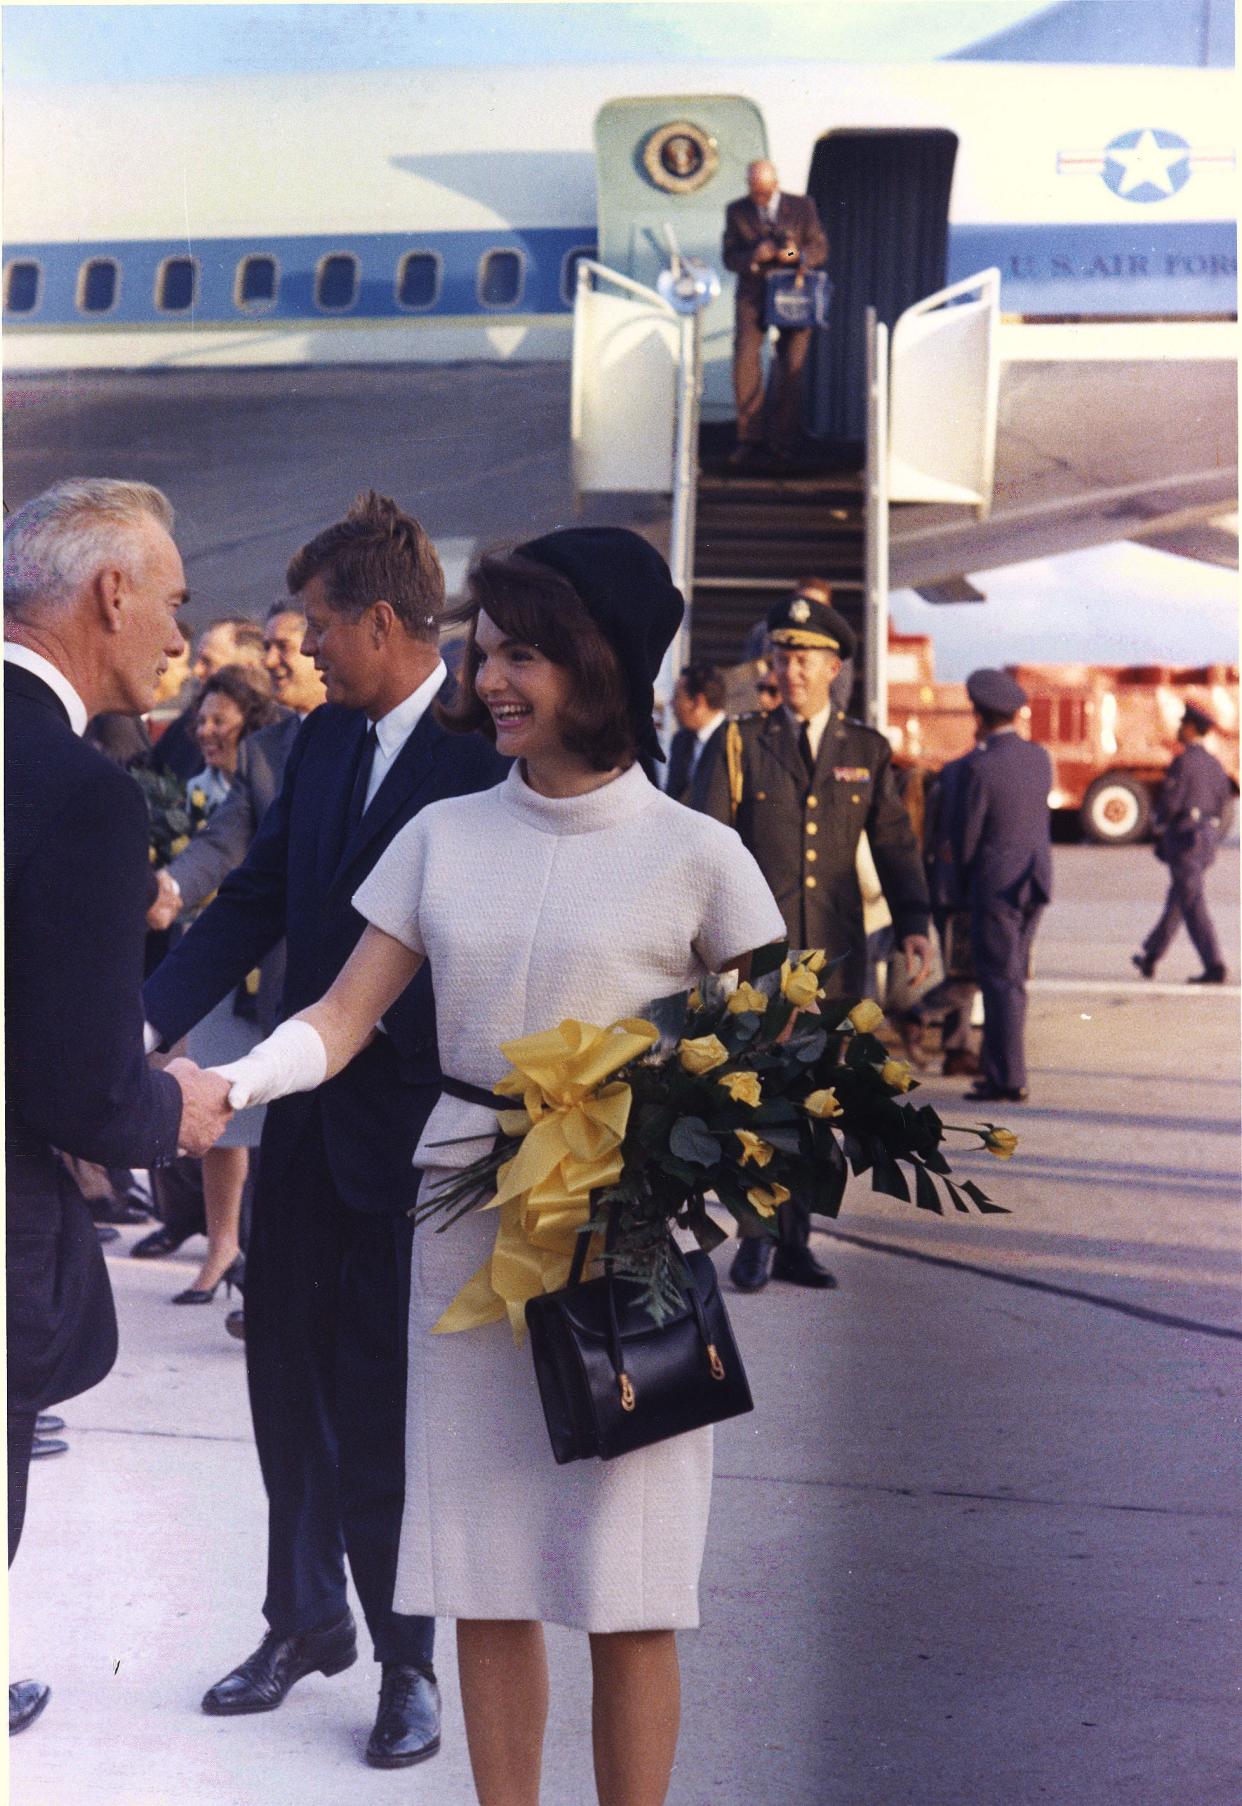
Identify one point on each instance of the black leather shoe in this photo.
(235, 1323)
(1146, 968)
(407, 1723)
(752, 1264)
(121, 1210)
(43, 1446)
(26, 1700)
(1214, 975)
(996, 1094)
(107, 1233)
(260, 1683)
(156, 1245)
(800, 1268)
(47, 1425)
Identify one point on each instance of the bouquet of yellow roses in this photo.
(741, 1091)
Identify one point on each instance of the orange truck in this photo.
(1111, 730)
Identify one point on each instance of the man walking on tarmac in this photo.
(1190, 814)
(800, 785)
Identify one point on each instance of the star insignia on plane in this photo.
(1146, 165)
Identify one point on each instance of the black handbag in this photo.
(612, 1379)
(795, 299)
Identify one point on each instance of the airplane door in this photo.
(677, 159)
(883, 197)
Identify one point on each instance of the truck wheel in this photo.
(1116, 810)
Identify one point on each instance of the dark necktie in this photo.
(804, 747)
(362, 777)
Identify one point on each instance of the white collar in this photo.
(394, 729)
(608, 806)
(709, 727)
(814, 723)
(53, 677)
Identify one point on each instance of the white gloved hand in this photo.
(293, 1058)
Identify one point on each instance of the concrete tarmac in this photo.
(976, 1546)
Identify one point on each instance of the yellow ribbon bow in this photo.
(574, 1122)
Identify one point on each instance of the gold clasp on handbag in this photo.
(718, 1371)
(627, 1392)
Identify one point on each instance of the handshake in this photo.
(205, 1107)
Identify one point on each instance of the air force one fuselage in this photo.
(439, 214)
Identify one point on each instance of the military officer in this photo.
(800, 785)
(1002, 836)
(1191, 811)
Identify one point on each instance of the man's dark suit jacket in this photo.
(1004, 830)
(685, 778)
(76, 877)
(297, 881)
(221, 845)
(746, 228)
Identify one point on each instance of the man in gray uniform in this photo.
(800, 785)
(1193, 807)
(1003, 841)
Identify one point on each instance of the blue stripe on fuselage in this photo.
(1145, 268)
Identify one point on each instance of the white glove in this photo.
(293, 1058)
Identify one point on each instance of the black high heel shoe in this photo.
(232, 1276)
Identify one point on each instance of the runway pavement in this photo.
(977, 1545)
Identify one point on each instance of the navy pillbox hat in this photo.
(627, 589)
(996, 692)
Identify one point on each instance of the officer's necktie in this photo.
(362, 778)
(804, 747)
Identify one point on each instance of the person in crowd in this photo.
(1192, 810)
(698, 703)
(232, 705)
(231, 640)
(328, 1265)
(92, 588)
(801, 785)
(766, 232)
(575, 888)
(194, 876)
(767, 692)
(1003, 850)
(953, 1000)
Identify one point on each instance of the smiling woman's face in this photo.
(218, 730)
(522, 691)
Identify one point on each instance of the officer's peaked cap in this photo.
(803, 621)
(996, 692)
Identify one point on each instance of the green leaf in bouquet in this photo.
(786, 1137)
(857, 1153)
(925, 1193)
(690, 1139)
(707, 1234)
(768, 959)
(886, 1175)
(827, 1181)
(810, 1047)
(668, 1015)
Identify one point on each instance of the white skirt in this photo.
(493, 1528)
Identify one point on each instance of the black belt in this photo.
(475, 1094)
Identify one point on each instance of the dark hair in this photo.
(705, 681)
(376, 553)
(532, 603)
(994, 718)
(248, 689)
(244, 631)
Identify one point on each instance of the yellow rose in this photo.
(180, 844)
(754, 1147)
(743, 1087)
(695, 1000)
(703, 1054)
(252, 983)
(822, 1103)
(746, 997)
(897, 1075)
(152, 855)
(866, 1016)
(198, 799)
(815, 960)
(765, 1198)
(1000, 1142)
(800, 985)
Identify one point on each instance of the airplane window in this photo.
(256, 283)
(569, 270)
(500, 278)
(21, 288)
(418, 279)
(176, 286)
(336, 283)
(99, 283)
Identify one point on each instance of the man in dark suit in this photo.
(1003, 839)
(767, 232)
(93, 583)
(1192, 810)
(953, 1000)
(698, 704)
(327, 1277)
(801, 785)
